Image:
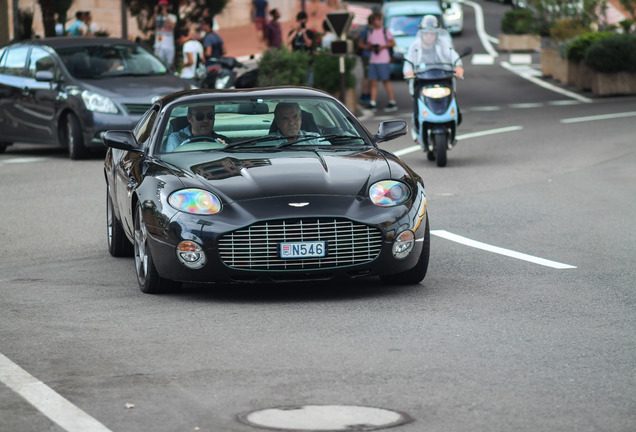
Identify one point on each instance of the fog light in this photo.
(191, 254)
(403, 244)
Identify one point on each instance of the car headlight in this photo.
(195, 201)
(389, 193)
(99, 103)
(436, 92)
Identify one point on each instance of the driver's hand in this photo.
(459, 72)
(409, 75)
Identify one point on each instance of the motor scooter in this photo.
(437, 112)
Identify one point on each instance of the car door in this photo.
(40, 98)
(12, 78)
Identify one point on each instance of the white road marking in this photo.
(416, 148)
(22, 160)
(48, 402)
(599, 117)
(501, 251)
(544, 84)
(481, 29)
(482, 59)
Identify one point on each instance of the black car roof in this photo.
(264, 92)
(75, 41)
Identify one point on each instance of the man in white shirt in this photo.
(192, 54)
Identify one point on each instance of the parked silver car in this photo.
(68, 91)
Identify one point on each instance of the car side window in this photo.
(40, 60)
(16, 61)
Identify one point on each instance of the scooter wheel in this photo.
(441, 144)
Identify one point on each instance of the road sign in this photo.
(339, 22)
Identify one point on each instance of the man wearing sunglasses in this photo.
(201, 119)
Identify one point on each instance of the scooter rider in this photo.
(431, 45)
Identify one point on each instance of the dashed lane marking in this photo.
(501, 251)
(48, 402)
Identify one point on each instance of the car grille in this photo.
(256, 247)
(137, 108)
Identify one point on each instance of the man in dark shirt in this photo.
(212, 43)
(272, 33)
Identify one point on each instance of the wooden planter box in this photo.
(547, 61)
(618, 83)
(519, 42)
(561, 69)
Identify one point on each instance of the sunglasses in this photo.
(200, 116)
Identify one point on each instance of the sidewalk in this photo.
(242, 42)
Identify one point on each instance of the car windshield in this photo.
(100, 61)
(403, 25)
(260, 125)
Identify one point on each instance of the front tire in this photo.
(118, 243)
(74, 138)
(418, 273)
(441, 145)
(149, 280)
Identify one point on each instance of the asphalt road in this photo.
(488, 342)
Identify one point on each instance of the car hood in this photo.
(139, 89)
(244, 176)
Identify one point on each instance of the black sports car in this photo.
(262, 185)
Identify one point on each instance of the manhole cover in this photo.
(324, 418)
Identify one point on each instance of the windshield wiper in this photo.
(252, 141)
(328, 139)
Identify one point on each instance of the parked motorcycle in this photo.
(221, 73)
(438, 115)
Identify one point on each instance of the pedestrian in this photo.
(379, 41)
(300, 38)
(192, 55)
(272, 33)
(365, 56)
(163, 24)
(213, 46)
(91, 27)
(77, 28)
(259, 11)
(327, 37)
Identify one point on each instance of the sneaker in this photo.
(372, 106)
(391, 106)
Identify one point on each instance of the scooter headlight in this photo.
(436, 92)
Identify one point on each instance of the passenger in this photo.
(201, 119)
(288, 121)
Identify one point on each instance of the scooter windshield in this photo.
(434, 71)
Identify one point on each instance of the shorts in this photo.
(379, 71)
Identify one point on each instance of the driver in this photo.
(430, 46)
(201, 119)
(288, 119)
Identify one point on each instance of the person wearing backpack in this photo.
(380, 41)
(301, 38)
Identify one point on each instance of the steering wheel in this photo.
(199, 138)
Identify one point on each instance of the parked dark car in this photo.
(248, 202)
(68, 91)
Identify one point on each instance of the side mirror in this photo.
(44, 76)
(123, 140)
(390, 129)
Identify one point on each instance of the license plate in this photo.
(308, 249)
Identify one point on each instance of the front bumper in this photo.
(212, 234)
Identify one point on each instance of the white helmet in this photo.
(429, 24)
